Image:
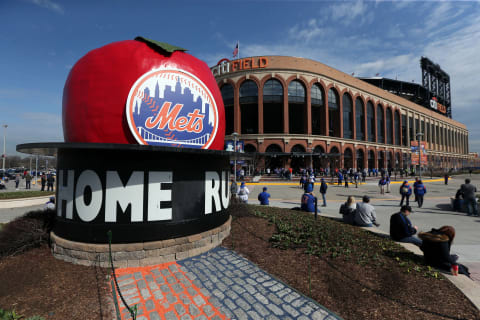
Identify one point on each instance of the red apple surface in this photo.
(142, 91)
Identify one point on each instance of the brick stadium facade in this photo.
(295, 112)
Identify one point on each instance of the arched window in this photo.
(272, 107)
(318, 110)
(397, 127)
(371, 123)
(380, 125)
(381, 160)
(250, 148)
(348, 158)
(389, 126)
(359, 119)
(360, 159)
(371, 159)
(297, 105)
(318, 149)
(347, 117)
(273, 148)
(249, 107)
(298, 148)
(227, 96)
(333, 113)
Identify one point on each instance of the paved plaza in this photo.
(436, 211)
(216, 285)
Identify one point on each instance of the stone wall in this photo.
(139, 254)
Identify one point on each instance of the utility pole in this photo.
(235, 135)
(4, 155)
(419, 135)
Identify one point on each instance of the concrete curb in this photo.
(23, 202)
(466, 285)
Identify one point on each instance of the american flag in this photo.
(377, 74)
(235, 51)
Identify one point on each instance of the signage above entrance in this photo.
(225, 66)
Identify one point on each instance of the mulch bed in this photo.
(354, 273)
(35, 283)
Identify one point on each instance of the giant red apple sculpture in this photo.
(146, 92)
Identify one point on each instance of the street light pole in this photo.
(4, 146)
(419, 135)
(235, 135)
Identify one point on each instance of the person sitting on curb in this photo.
(50, 205)
(365, 215)
(436, 250)
(469, 191)
(323, 191)
(405, 192)
(263, 197)
(401, 228)
(420, 191)
(348, 210)
(308, 200)
(243, 193)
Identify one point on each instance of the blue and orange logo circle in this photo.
(172, 107)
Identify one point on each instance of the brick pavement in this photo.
(218, 284)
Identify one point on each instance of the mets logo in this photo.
(172, 107)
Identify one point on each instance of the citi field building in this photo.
(296, 112)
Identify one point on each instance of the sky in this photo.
(40, 41)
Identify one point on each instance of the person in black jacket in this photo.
(401, 228)
(436, 249)
(323, 191)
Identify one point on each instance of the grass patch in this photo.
(330, 239)
(24, 194)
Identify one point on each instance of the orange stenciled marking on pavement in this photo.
(163, 306)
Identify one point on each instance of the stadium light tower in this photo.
(4, 155)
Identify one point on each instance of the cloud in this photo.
(48, 4)
(346, 12)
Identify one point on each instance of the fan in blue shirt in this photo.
(263, 197)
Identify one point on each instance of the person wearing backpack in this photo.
(420, 192)
(405, 192)
(243, 193)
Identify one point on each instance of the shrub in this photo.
(26, 232)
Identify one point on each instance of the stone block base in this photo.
(138, 254)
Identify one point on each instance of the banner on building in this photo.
(415, 152)
(229, 146)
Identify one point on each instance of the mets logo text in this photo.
(172, 107)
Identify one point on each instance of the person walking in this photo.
(405, 192)
(264, 197)
(243, 193)
(323, 191)
(382, 183)
(28, 180)
(387, 178)
(17, 181)
(415, 188)
(468, 190)
(446, 178)
(420, 192)
(43, 181)
(346, 181)
(234, 191)
(401, 228)
(365, 215)
(50, 182)
(364, 175)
